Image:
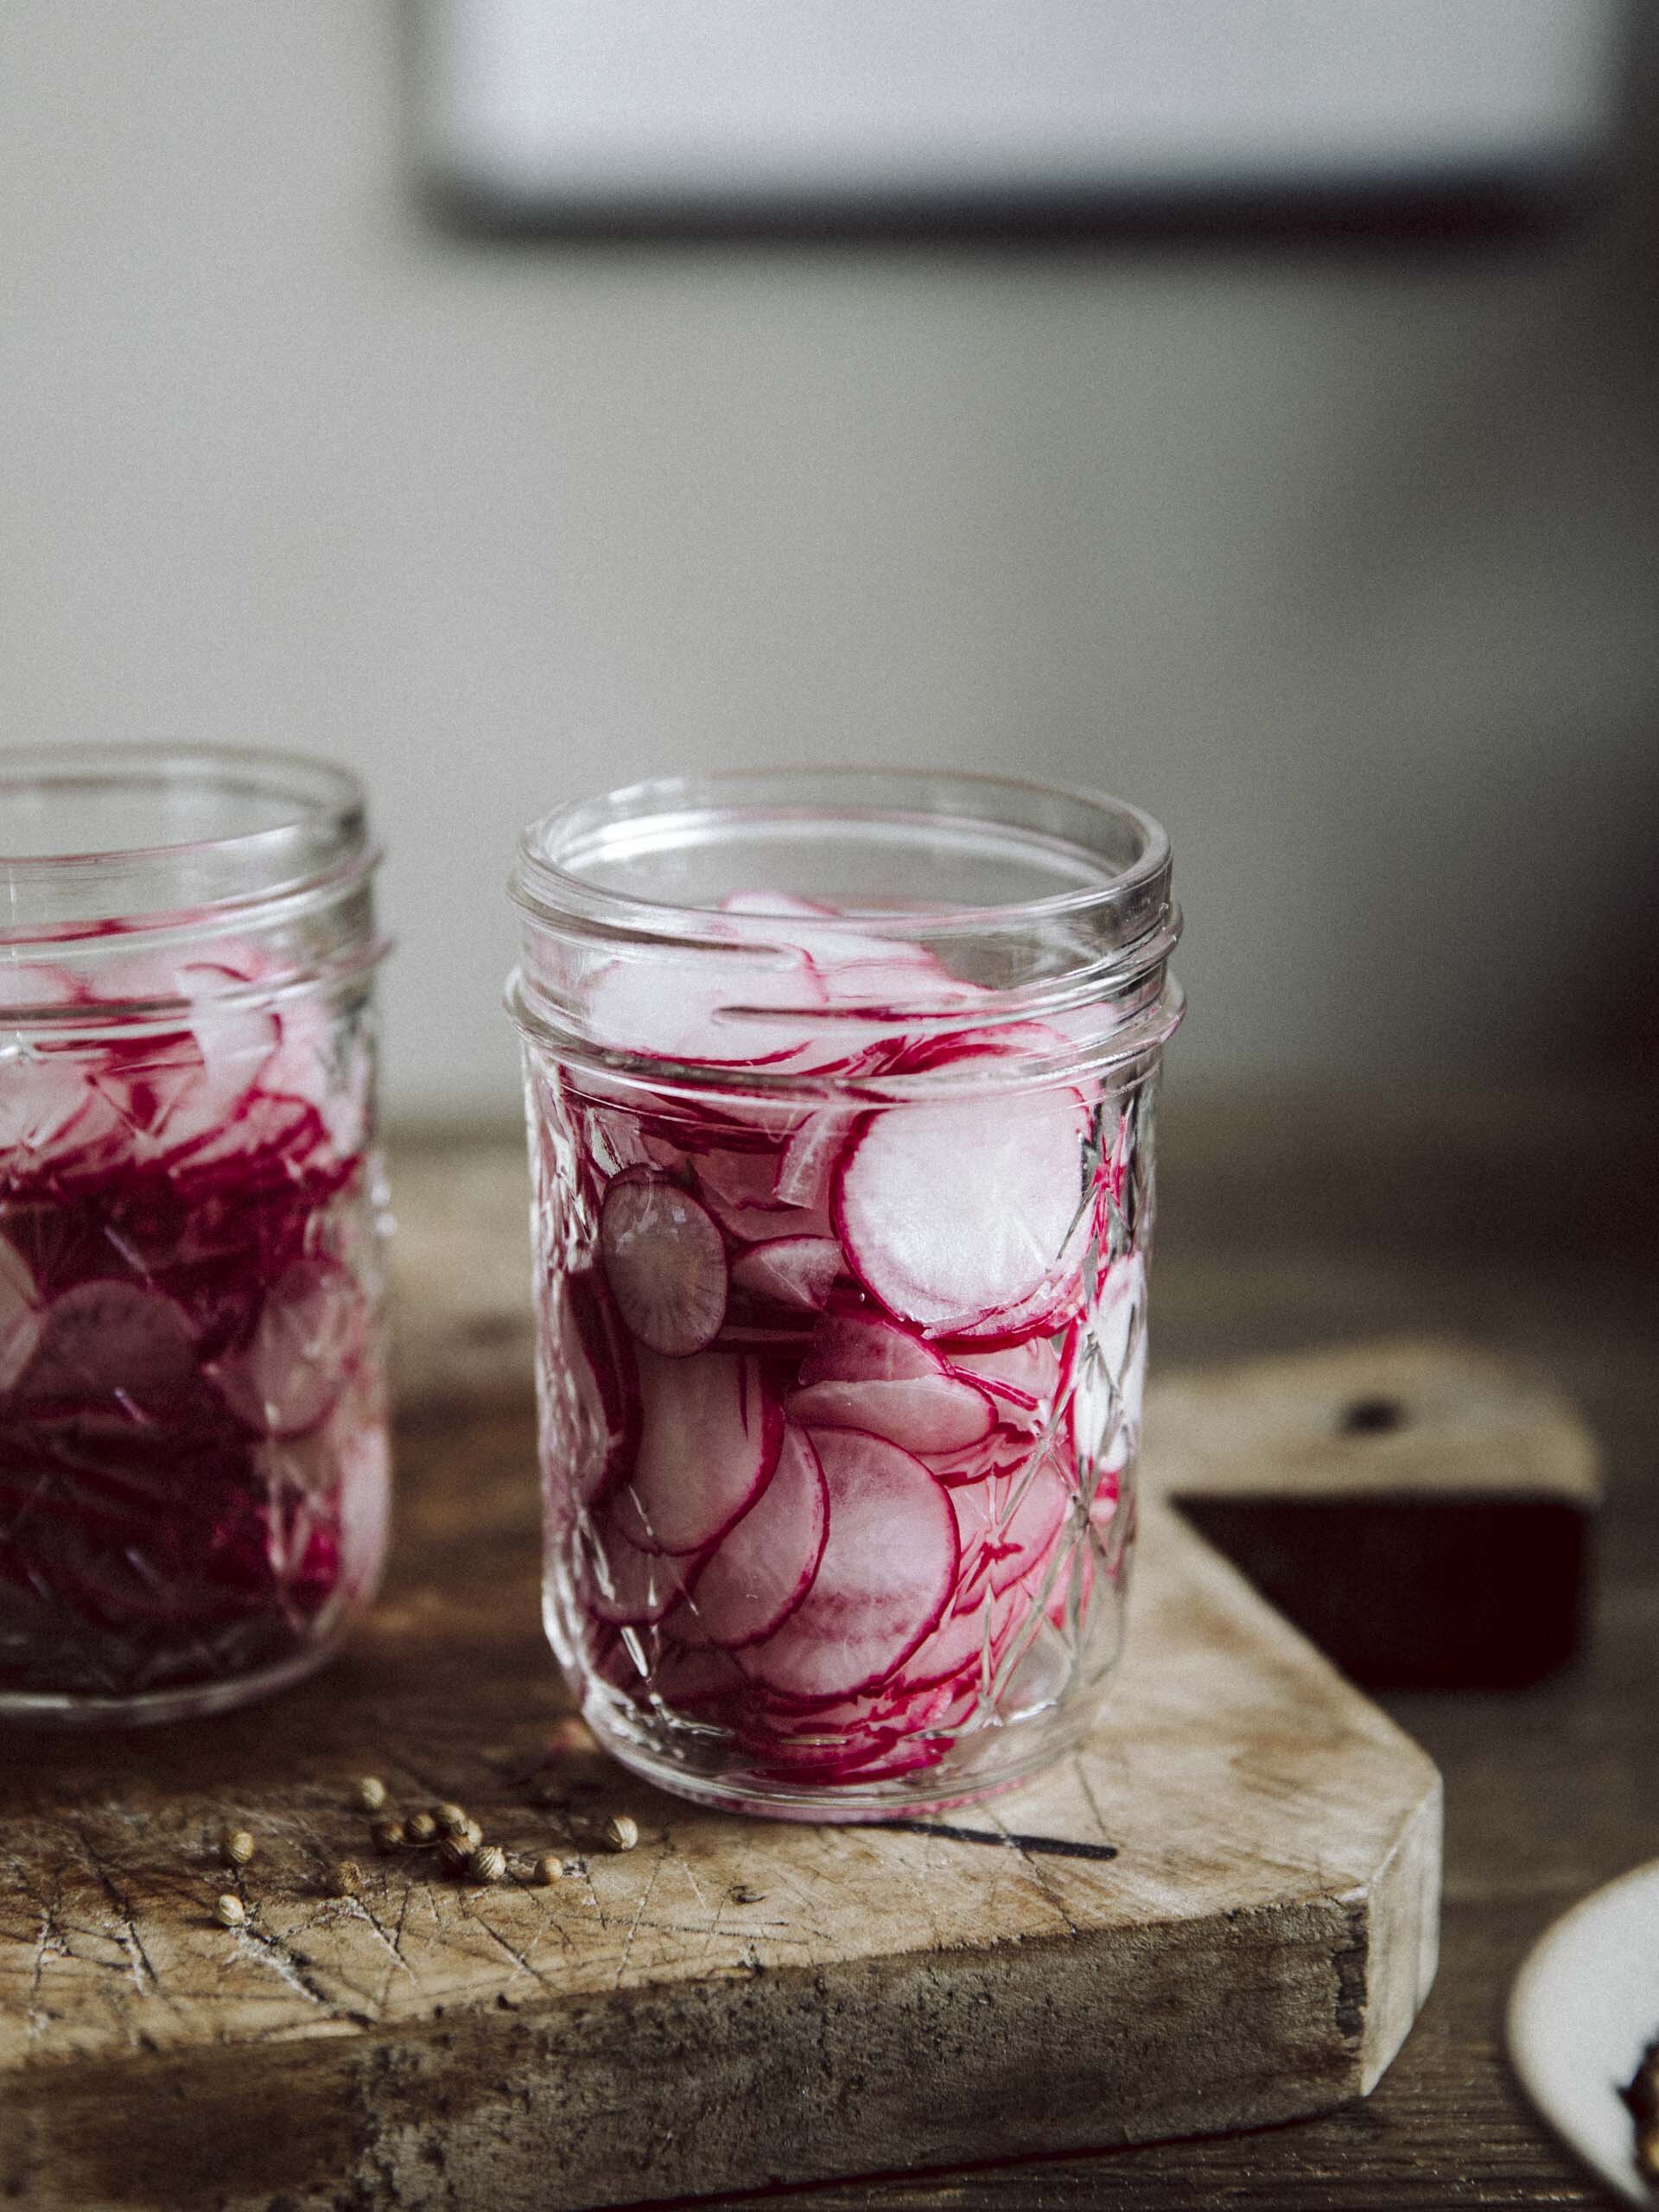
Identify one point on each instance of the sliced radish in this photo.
(115, 1341)
(924, 1414)
(1014, 1519)
(696, 1012)
(309, 1335)
(623, 1586)
(807, 1161)
(666, 1262)
(1022, 1379)
(950, 1213)
(710, 1434)
(798, 1272)
(20, 1314)
(764, 1568)
(885, 1578)
(863, 1347)
(595, 1381)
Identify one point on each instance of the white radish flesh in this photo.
(798, 1272)
(665, 1263)
(709, 1436)
(951, 1213)
(308, 1336)
(883, 1583)
(763, 1568)
(926, 1415)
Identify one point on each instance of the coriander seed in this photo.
(452, 1819)
(453, 1853)
(390, 1835)
(421, 1828)
(622, 1831)
(488, 1863)
(346, 1879)
(237, 1847)
(371, 1793)
(471, 1834)
(230, 1911)
(549, 1869)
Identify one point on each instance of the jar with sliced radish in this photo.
(194, 1465)
(839, 1090)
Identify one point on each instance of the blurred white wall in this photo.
(1344, 564)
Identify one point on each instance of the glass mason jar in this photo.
(839, 1091)
(194, 1461)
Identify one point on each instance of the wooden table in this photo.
(1528, 1222)
(1523, 1223)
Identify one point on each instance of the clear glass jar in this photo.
(840, 1090)
(194, 1461)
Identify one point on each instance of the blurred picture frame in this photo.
(666, 114)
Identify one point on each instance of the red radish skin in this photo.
(665, 1263)
(710, 1433)
(762, 1568)
(884, 1580)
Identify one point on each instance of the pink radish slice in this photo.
(861, 1347)
(764, 1568)
(308, 1338)
(624, 1586)
(108, 1341)
(885, 1578)
(934, 1412)
(20, 1314)
(739, 1179)
(950, 1213)
(1022, 1378)
(798, 1272)
(1014, 1519)
(666, 1262)
(690, 1013)
(808, 1159)
(760, 1224)
(710, 1434)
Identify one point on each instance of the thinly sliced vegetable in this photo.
(710, 1433)
(885, 1578)
(666, 1262)
(763, 1568)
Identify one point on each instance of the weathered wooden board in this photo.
(732, 2001)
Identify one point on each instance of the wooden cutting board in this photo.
(1222, 1912)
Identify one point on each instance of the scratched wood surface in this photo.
(394, 2113)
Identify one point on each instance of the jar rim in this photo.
(271, 828)
(1085, 942)
(545, 886)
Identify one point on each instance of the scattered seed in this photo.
(237, 1847)
(421, 1828)
(230, 1911)
(390, 1835)
(622, 1831)
(549, 1869)
(371, 1793)
(454, 1852)
(452, 1819)
(488, 1863)
(346, 1879)
(471, 1834)
(746, 1893)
